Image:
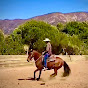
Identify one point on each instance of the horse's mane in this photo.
(36, 52)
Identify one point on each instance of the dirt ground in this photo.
(19, 77)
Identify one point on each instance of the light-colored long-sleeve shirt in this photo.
(49, 48)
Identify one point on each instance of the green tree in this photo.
(1, 36)
(1, 41)
(84, 35)
(13, 47)
(60, 26)
(34, 32)
(74, 28)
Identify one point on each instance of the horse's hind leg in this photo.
(55, 72)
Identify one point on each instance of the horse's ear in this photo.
(31, 50)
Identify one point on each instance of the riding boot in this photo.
(45, 68)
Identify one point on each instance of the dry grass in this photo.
(19, 77)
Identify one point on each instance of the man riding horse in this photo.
(57, 64)
(47, 53)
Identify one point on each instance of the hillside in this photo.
(52, 18)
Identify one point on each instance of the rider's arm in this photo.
(43, 53)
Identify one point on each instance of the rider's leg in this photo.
(45, 59)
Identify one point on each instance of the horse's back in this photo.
(54, 58)
(54, 62)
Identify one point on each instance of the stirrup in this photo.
(44, 69)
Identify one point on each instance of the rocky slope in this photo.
(52, 18)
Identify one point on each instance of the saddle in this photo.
(50, 59)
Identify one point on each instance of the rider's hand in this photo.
(43, 53)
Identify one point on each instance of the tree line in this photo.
(71, 37)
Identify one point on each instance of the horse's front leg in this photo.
(35, 72)
(39, 75)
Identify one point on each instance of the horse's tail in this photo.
(67, 70)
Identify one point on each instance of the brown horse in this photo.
(56, 64)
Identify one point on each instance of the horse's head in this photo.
(30, 55)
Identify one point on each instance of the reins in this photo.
(38, 58)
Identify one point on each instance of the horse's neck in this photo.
(36, 55)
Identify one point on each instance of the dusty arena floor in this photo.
(19, 77)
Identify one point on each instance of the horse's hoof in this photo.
(53, 75)
(38, 79)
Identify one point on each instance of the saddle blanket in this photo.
(51, 58)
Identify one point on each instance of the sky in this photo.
(24, 9)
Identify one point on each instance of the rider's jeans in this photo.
(45, 59)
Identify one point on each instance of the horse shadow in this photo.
(29, 78)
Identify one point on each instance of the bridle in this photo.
(32, 55)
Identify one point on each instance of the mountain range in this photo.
(52, 18)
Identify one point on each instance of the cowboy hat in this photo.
(46, 40)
